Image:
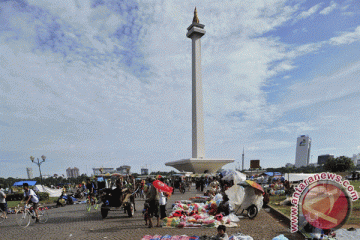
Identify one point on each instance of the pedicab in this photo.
(246, 196)
(116, 199)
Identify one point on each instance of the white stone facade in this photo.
(303, 147)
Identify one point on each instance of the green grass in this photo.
(12, 204)
(356, 185)
(275, 200)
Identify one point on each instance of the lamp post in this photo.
(38, 163)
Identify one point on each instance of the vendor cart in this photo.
(246, 196)
(115, 199)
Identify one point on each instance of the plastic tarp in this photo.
(235, 194)
(269, 174)
(244, 197)
(31, 183)
(235, 175)
(296, 177)
(52, 192)
(251, 198)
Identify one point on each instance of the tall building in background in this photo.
(356, 159)
(303, 147)
(323, 158)
(124, 169)
(72, 172)
(103, 170)
(29, 173)
(144, 171)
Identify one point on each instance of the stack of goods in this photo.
(237, 236)
(200, 198)
(197, 215)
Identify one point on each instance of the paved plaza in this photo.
(72, 222)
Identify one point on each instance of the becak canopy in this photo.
(162, 186)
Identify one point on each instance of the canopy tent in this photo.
(31, 183)
(297, 177)
(52, 192)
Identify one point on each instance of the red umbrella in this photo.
(162, 186)
(255, 185)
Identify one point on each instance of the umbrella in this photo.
(254, 185)
(162, 186)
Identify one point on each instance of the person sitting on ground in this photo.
(30, 197)
(215, 186)
(224, 206)
(222, 235)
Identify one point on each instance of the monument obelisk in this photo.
(198, 163)
(195, 32)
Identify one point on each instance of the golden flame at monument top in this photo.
(195, 19)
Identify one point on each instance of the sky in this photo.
(103, 83)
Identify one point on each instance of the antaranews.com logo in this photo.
(322, 200)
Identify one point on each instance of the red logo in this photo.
(326, 206)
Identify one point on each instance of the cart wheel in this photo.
(252, 211)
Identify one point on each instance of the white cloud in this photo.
(329, 9)
(324, 88)
(311, 11)
(346, 37)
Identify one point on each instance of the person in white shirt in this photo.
(30, 196)
(3, 204)
(162, 203)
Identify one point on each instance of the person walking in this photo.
(153, 199)
(162, 203)
(202, 183)
(3, 203)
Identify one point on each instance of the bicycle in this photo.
(24, 216)
(91, 202)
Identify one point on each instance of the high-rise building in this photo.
(144, 171)
(303, 147)
(103, 170)
(323, 158)
(356, 159)
(72, 172)
(124, 169)
(29, 173)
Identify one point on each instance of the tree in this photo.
(339, 164)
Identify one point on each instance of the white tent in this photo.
(235, 175)
(52, 192)
(296, 177)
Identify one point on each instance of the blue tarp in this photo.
(271, 174)
(31, 183)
